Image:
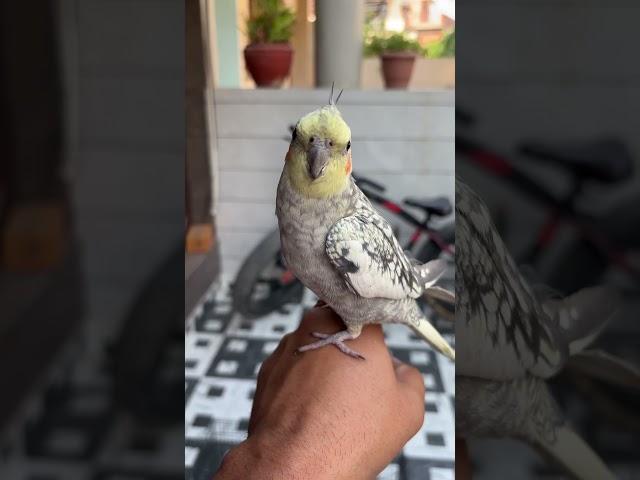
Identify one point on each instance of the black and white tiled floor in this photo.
(224, 353)
(72, 431)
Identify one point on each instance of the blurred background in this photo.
(253, 69)
(134, 130)
(546, 133)
(92, 233)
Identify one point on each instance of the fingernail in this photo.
(396, 362)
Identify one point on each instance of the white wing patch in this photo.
(364, 250)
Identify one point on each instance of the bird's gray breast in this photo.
(304, 224)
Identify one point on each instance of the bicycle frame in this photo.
(561, 210)
(421, 227)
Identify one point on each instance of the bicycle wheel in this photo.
(431, 250)
(263, 283)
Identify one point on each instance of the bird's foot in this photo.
(336, 339)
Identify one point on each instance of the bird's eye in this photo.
(348, 145)
(310, 139)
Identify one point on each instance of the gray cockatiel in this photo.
(512, 339)
(339, 246)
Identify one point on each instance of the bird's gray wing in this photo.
(502, 331)
(363, 248)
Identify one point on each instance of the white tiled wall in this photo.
(405, 140)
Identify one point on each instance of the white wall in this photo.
(403, 139)
(547, 61)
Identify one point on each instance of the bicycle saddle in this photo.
(440, 206)
(606, 160)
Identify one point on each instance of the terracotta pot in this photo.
(268, 63)
(397, 69)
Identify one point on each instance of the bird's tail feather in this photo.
(575, 457)
(606, 367)
(428, 332)
(429, 273)
(440, 293)
(583, 315)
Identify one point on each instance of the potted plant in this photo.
(268, 56)
(398, 52)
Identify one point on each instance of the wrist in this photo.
(255, 459)
(263, 459)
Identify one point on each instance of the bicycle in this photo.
(603, 240)
(264, 284)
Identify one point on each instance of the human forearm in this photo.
(259, 458)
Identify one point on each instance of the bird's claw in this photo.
(320, 335)
(337, 339)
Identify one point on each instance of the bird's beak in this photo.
(318, 156)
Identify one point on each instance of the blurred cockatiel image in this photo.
(336, 243)
(512, 337)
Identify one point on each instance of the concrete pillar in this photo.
(227, 44)
(339, 25)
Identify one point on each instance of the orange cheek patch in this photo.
(347, 167)
(286, 157)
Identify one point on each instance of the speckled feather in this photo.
(364, 250)
(500, 325)
(304, 229)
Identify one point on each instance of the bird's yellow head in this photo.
(318, 162)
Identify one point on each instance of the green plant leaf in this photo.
(443, 48)
(379, 42)
(271, 22)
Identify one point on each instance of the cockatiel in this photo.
(512, 339)
(339, 246)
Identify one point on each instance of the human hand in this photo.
(324, 415)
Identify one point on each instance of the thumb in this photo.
(408, 376)
(411, 385)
